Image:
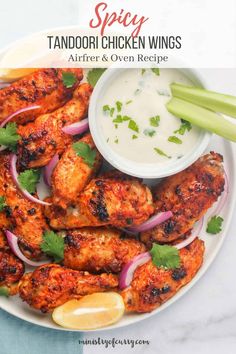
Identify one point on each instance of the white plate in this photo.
(213, 243)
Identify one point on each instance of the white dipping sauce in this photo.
(143, 95)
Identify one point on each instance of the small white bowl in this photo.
(142, 170)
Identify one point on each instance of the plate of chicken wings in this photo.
(68, 220)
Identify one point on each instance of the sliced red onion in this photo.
(14, 174)
(13, 243)
(191, 238)
(128, 270)
(48, 170)
(152, 222)
(19, 111)
(76, 128)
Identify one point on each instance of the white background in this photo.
(204, 320)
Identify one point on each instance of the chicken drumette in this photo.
(51, 285)
(99, 249)
(152, 286)
(43, 87)
(72, 174)
(113, 199)
(188, 194)
(11, 270)
(44, 137)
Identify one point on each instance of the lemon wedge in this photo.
(90, 312)
(14, 74)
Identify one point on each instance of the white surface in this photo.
(203, 321)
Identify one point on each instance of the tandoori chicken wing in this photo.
(115, 199)
(99, 249)
(11, 271)
(51, 285)
(43, 87)
(188, 194)
(72, 174)
(25, 218)
(44, 137)
(152, 286)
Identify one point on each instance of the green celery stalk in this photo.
(203, 118)
(217, 102)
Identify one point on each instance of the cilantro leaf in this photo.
(214, 225)
(94, 75)
(154, 121)
(156, 71)
(185, 126)
(165, 256)
(84, 150)
(162, 153)
(134, 137)
(116, 141)
(9, 136)
(53, 245)
(149, 132)
(133, 125)
(29, 179)
(69, 79)
(119, 106)
(128, 102)
(106, 108)
(118, 119)
(2, 203)
(125, 118)
(4, 291)
(175, 140)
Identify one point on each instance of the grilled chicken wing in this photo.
(51, 285)
(43, 87)
(72, 174)
(152, 286)
(26, 219)
(44, 137)
(11, 271)
(115, 199)
(99, 249)
(188, 195)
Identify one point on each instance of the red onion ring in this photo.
(76, 128)
(14, 175)
(22, 110)
(13, 244)
(152, 222)
(192, 237)
(48, 170)
(128, 270)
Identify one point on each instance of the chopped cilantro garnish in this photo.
(119, 106)
(133, 125)
(156, 71)
(94, 75)
(214, 225)
(175, 140)
(85, 152)
(2, 203)
(134, 137)
(9, 136)
(143, 71)
(154, 121)
(149, 132)
(128, 102)
(125, 118)
(165, 256)
(185, 126)
(116, 141)
(29, 179)
(69, 79)
(4, 291)
(118, 119)
(162, 153)
(106, 108)
(53, 245)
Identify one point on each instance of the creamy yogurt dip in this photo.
(134, 121)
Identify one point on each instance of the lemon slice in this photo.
(14, 74)
(91, 312)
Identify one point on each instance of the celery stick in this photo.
(217, 102)
(202, 117)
